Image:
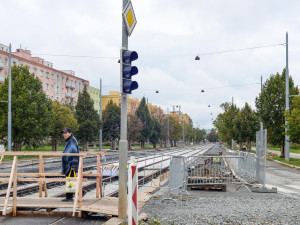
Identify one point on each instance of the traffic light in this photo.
(128, 71)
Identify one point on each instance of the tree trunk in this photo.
(113, 145)
(282, 154)
(55, 145)
(248, 145)
(129, 145)
(241, 146)
(154, 145)
(143, 145)
(95, 146)
(17, 147)
(85, 146)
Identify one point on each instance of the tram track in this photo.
(27, 191)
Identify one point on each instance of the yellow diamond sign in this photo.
(129, 17)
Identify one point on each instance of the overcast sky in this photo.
(168, 36)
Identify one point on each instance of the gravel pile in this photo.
(225, 208)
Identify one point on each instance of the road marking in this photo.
(283, 190)
(293, 186)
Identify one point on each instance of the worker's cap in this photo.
(66, 130)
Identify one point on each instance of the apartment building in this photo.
(115, 97)
(61, 85)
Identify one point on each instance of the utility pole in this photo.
(287, 106)
(168, 141)
(100, 113)
(9, 104)
(123, 144)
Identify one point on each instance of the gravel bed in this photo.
(203, 207)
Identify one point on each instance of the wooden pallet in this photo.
(207, 187)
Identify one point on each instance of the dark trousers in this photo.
(70, 195)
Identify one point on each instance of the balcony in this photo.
(70, 85)
(70, 95)
(1, 66)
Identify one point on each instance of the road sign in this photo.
(129, 18)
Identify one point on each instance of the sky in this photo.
(169, 34)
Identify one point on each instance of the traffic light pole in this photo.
(123, 144)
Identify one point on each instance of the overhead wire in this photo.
(241, 49)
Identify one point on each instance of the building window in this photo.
(42, 73)
(52, 88)
(47, 75)
(52, 76)
(47, 86)
(34, 70)
(52, 97)
(62, 90)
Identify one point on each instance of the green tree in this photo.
(156, 133)
(245, 126)
(199, 135)
(111, 123)
(62, 117)
(134, 129)
(188, 131)
(212, 136)
(143, 114)
(224, 122)
(175, 131)
(87, 118)
(270, 106)
(31, 110)
(293, 120)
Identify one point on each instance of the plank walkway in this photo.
(106, 205)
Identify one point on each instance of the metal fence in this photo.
(261, 152)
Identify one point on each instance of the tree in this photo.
(87, 118)
(62, 117)
(143, 114)
(31, 110)
(224, 122)
(134, 129)
(270, 106)
(293, 121)
(175, 131)
(156, 133)
(111, 123)
(245, 126)
(188, 131)
(212, 136)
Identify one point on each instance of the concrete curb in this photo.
(285, 164)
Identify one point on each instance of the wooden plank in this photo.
(80, 183)
(44, 183)
(77, 185)
(51, 174)
(47, 179)
(155, 182)
(9, 184)
(2, 157)
(15, 190)
(84, 154)
(40, 170)
(43, 153)
(8, 210)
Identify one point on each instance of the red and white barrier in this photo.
(132, 193)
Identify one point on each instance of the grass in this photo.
(293, 161)
(278, 149)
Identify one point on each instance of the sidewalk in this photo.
(292, 155)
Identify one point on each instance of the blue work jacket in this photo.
(69, 162)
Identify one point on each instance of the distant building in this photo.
(60, 85)
(180, 117)
(95, 96)
(115, 97)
